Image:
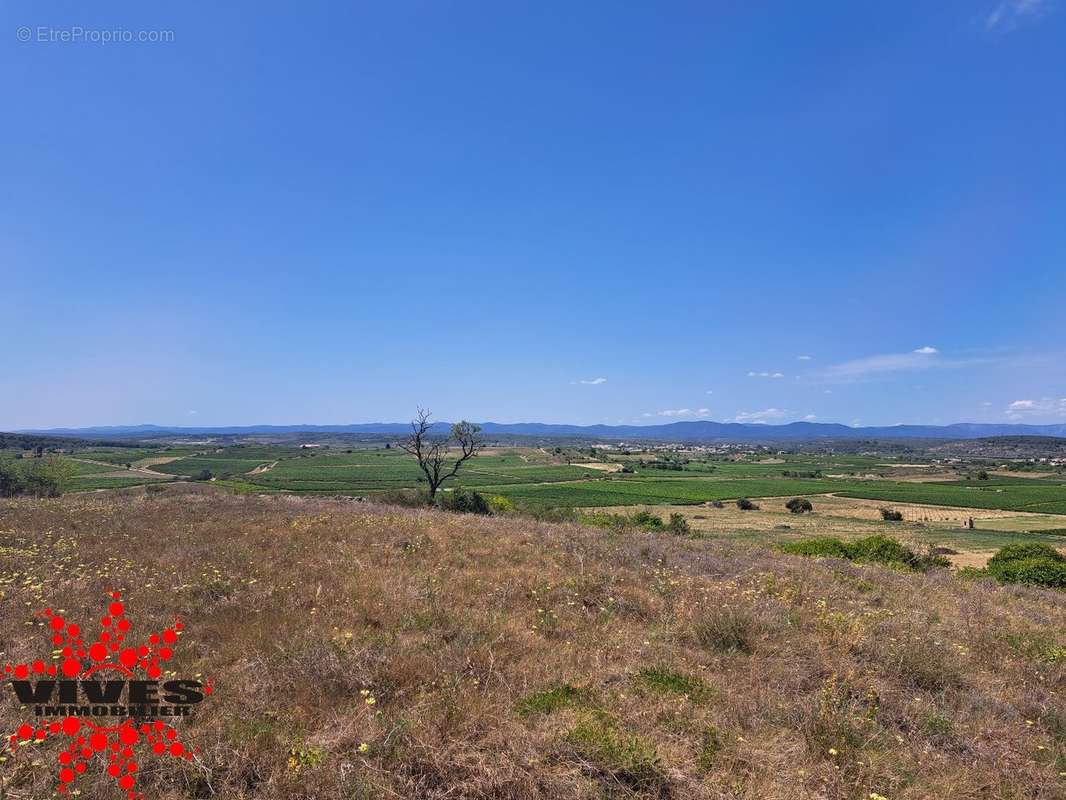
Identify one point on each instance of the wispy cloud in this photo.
(926, 357)
(765, 375)
(1009, 14)
(680, 412)
(1045, 406)
(804, 358)
(592, 381)
(766, 415)
(811, 417)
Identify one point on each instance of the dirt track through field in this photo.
(262, 468)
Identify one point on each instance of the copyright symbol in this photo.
(24, 34)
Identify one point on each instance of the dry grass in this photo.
(510, 659)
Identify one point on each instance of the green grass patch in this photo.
(1038, 646)
(667, 681)
(620, 756)
(554, 699)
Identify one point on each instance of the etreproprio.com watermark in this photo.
(77, 34)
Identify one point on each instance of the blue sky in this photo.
(562, 212)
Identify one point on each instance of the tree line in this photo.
(35, 477)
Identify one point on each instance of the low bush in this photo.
(1023, 552)
(825, 546)
(744, 504)
(639, 520)
(547, 514)
(1032, 564)
(464, 501)
(499, 504)
(1033, 572)
(728, 630)
(891, 515)
(799, 505)
(875, 549)
(880, 550)
(678, 525)
(407, 498)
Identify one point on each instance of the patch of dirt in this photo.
(1006, 473)
(151, 462)
(972, 558)
(262, 468)
(602, 466)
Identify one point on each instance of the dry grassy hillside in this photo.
(361, 651)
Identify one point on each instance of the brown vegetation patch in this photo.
(510, 659)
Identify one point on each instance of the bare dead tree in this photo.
(434, 454)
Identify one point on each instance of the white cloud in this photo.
(190, 413)
(1009, 14)
(680, 412)
(804, 358)
(811, 417)
(710, 391)
(766, 415)
(765, 375)
(1045, 406)
(927, 351)
(593, 381)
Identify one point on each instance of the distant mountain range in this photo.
(698, 431)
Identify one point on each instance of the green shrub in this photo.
(1032, 563)
(875, 549)
(678, 525)
(799, 505)
(499, 504)
(744, 504)
(641, 520)
(890, 515)
(647, 521)
(825, 546)
(881, 550)
(11, 484)
(464, 501)
(40, 477)
(1024, 552)
(1033, 572)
